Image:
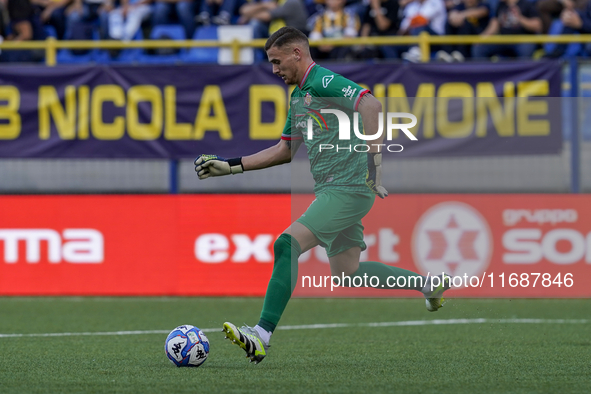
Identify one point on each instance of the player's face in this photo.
(284, 61)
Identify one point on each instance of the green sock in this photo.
(390, 277)
(283, 281)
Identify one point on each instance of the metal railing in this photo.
(424, 41)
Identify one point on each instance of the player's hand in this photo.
(213, 165)
(373, 179)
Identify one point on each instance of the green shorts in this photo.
(334, 217)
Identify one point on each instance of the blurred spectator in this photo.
(470, 17)
(451, 4)
(269, 16)
(513, 17)
(219, 12)
(334, 22)
(381, 19)
(82, 14)
(552, 9)
(53, 13)
(3, 19)
(314, 6)
(184, 11)
(420, 16)
(24, 26)
(126, 20)
(573, 22)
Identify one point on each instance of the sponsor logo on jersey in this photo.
(348, 92)
(452, 238)
(326, 80)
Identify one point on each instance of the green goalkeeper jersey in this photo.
(339, 167)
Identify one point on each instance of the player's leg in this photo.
(302, 235)
(345, 248)
(294, 241)
(344, 253)
(287, 249)
(345, 265)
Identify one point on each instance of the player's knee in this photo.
(343, 280)
(285, 268)
(344, 267)
(286, 246)
(281, 246)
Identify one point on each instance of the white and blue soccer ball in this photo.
(186, 346)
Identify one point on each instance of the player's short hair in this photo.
(286, 36)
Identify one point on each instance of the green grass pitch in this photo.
(491, 357)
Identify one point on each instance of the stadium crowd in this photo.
(126, 20)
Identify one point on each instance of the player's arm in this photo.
(370, 108)
(275, 155)
(212, 165)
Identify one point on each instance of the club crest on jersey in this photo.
(348, 92)
(307, 99)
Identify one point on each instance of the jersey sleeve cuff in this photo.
(290, 137)
(361, 94)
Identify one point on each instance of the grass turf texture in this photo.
(472, 358)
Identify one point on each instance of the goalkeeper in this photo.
(345, 186)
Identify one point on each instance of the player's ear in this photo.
(297, 53)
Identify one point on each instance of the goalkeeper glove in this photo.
(373, 179)
(213, 165)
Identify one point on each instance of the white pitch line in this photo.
(325, 326)
(437, 322)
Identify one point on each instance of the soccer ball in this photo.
(186, 346)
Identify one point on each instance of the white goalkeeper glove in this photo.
(213, 165)
(373, 179)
